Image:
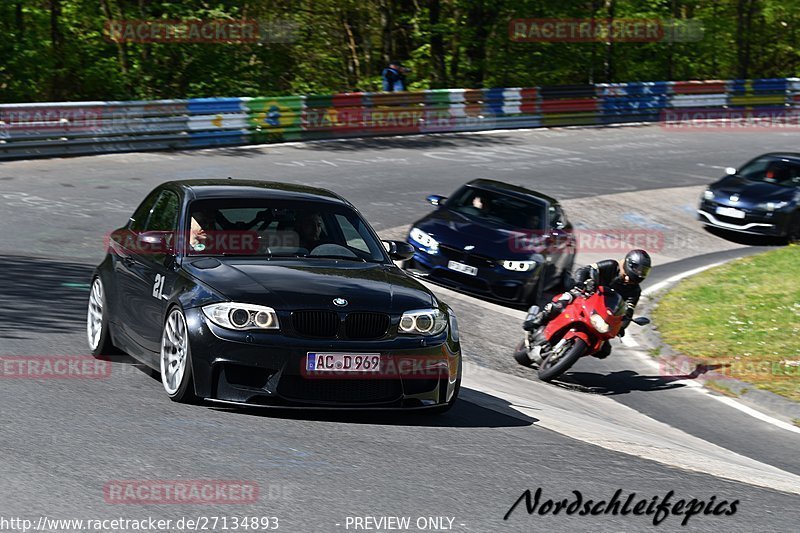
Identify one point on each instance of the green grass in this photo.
(744, 315)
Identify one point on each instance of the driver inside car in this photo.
(309, 228)
(623, 277)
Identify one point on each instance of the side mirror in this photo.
(641, 321)
(730, 171)
(435, 199)
(156, 243)
(399, 250)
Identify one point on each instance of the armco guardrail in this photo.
(75, 128)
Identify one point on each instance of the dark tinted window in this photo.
(280, 228)
(772, 170)
(497, 208)
(164, 216)
(142, 213)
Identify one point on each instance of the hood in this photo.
(299, 284)
(496, 242)
(752, 192)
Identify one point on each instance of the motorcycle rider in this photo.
(623, 277)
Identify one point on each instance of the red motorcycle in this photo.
(580, 329)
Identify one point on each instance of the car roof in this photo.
(243, 188)
(511, 190)
(793, 156)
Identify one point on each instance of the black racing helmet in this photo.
(637, 265)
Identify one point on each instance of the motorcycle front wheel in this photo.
(556, 364)
(521, 354)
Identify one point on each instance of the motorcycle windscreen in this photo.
(614, 302)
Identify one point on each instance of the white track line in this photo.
(697, 385)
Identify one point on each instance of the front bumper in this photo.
(268, 369)
(493, 281)
(755, 222)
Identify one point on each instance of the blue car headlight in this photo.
(519, 266)
(772, 206)
(425, 240)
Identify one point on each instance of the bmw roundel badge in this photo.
(341, 302)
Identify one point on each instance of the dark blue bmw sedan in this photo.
(498, 241)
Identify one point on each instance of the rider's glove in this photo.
(590, 285)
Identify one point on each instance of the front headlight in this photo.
(519, 266)
(240, 317)
(708, 194)
(423, 322)
(599, 324)
(772, 206)
(424, 240)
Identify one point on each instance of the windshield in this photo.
(280, 228)
(497, 208)
(774, 170)
(614, 302)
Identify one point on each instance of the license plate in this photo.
(461, 267)
(730, 212)
(343, 362)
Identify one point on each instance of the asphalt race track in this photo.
(612, 424)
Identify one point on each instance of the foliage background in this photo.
(56, 50)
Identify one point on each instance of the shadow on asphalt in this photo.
(464, 414)
(746, 239)
(40, 295)
(615, 383)
(355, 144)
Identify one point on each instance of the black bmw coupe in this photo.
(260, 293)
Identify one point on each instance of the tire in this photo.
(97, 328)
(573, 353)
(793, 230)
(521, 354)
(176, 359)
